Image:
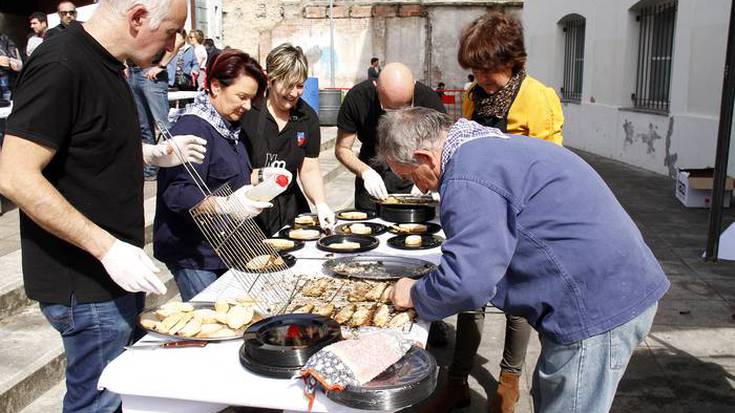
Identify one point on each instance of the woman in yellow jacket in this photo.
(504, 97)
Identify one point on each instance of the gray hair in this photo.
(402, 132)
(158, 10)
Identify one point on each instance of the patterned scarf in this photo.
(203, 108)
(465, 131)
(497, 104)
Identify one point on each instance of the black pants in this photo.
(469, 334)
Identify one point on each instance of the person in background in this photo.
(196, 39)
(10, 64)
(440, 89)
(282, 131)
(181, 68)
(470, 81)
(555, 247)
(67, 12)
(150, 90)
(72, 162)
(358, 118)
(212, 50)
(374, 70)
(39, 25)
(506, 98)
(235, 80)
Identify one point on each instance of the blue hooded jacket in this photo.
(534, 229)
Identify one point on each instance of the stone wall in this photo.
(421, 34)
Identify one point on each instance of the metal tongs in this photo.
(154, 344)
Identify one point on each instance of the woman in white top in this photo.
(196, 38)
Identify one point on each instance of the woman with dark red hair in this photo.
(234, 80)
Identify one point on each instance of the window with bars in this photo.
(573, 29)
(655, 48)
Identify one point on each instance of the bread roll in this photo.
(205, 315)
(413, 240)
(221, 306)
(239, 316)
(306, 234)
(191, 329)
(360, 229)
(223, 332)
(305, 220)
(413, 228)
(279, 243)
(345, 245)
(353, 215)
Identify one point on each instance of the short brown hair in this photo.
(492, 42)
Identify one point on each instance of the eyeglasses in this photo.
(67, 12)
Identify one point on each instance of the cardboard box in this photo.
(694, 188)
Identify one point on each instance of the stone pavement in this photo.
(686, 364)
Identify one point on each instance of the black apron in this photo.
(272, 151)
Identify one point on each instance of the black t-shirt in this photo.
(267, 147)
(359, 114)
(72, 97)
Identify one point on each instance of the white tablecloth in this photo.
(209, 379)
(5, 112)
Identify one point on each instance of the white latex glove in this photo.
(326, 216)
(131, 269)
(374, 184)
(416, 191)
(239, 205)
(167, 154)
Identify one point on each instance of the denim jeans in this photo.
(151, 100)
(191, 282)
(4, 87)
(469, 334)
(582, 377)
(93, 335)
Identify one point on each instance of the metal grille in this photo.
(655, 45)
(573, 59)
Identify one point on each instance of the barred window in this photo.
(573, 28)
(655, 46)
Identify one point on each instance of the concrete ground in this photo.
(687, 364)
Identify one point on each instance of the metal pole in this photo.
(331, 44)
(723, 143)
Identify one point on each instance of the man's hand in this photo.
(170, 153)
(401, 296)
(326, 216)
(131, 269)
(374, 184)
(153, 72)
(4, 61)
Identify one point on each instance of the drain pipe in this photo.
(723, 144)
(331, 44)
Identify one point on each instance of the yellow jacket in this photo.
(535, 112)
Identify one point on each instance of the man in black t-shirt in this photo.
(72, 162)
(358, 119)
(67, 12)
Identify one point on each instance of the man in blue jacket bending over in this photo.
(534, 230)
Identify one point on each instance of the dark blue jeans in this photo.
(93, 335)
(151, 100)
(191, 282)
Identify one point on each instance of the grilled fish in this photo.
(381, 316)
(315, 288)
(401, 318)
(323, 309)
(385, 297)
(358, 292)
(375, 293)
(306, 308)
(362, 317)
(345, 313)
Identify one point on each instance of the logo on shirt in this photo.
(301, 138)
(271, 160)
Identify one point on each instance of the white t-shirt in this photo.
(33, 42)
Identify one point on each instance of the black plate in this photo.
(288, 340)
(406, 212)
(378, 267)
(407, 199)
(377, 229)
(265, 370)
(427, 242)
(288, 259)
(314, 216)
(297, 246)
(431, 228)
(366, 242)
(407, 382)
(370, 214)
(284, 233)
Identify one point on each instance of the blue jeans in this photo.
(582, 377)
(191, 282)
(151, 100)
(93, 335)
(4, 87)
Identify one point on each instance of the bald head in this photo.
(395, 86)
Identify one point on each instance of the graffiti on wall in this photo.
(649, 139)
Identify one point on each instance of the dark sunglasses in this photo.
(68, 12)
